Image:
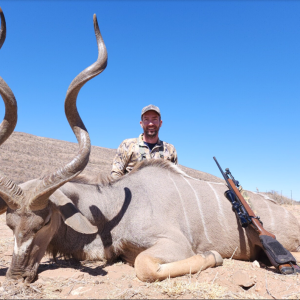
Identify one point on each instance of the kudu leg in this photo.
(150, 268)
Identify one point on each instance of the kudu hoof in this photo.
(217, 257)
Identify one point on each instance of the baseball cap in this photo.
(150, 107)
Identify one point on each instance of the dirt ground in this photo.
(72, 280)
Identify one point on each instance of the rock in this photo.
(242, 279)
(80, 291)
(255, 264)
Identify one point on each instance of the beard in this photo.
(151, 133)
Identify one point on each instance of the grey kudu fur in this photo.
(156, 218)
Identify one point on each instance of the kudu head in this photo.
(36, 208)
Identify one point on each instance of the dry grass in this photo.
(17, 290)
(198, 290)
(278, 197)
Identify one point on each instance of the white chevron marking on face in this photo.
(200, 210)
(22, 249)
(184, 211)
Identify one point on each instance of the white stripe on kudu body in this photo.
(271, 214)
(22, 249)
(269, 209)
(184, 210)
(221, 209)
(200, 210)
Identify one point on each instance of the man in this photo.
(146, 146)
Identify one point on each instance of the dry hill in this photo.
(25, 156)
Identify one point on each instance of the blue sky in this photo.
(225, 75)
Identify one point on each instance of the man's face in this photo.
(151, 123)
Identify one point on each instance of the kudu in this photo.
(156, 218)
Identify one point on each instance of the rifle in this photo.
(279, 257)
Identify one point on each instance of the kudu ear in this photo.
(71, 215)
(3, 206)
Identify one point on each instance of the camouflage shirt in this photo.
(131, 151)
